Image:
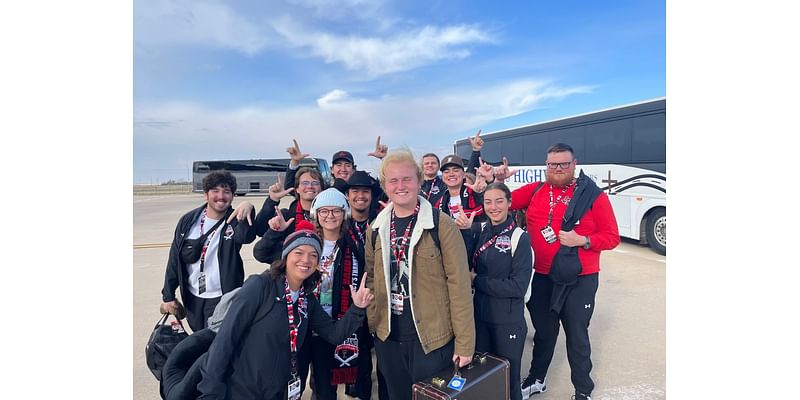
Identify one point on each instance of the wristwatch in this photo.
(587, 244)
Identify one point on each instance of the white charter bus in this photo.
(623, 149)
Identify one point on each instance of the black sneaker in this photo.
(581, 396)
(532, 386)
(350, 390)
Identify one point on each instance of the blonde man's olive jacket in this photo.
(440, 288)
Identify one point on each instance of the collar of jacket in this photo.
(493, 229)
(382, 225)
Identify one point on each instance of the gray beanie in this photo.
(304, 234)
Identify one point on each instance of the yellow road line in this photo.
(151, 245)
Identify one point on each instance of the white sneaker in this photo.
(531, 387)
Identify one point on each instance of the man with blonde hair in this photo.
(422, 316)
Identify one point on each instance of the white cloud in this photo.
(339, 9)
(332, 97)
(380, 51)
(199, 23)
(184, 132)
(378, 55)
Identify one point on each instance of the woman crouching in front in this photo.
(254, 355)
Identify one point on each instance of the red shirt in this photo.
(599, 224)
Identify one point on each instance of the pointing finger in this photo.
(296, 146)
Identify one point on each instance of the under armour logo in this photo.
(587, 306)
(512, 336)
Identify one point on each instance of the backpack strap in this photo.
(435, 230)
(221, 310)
(266, 307)
(514, 244)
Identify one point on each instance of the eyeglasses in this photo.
(309, 183)
(563, 165)
(323, 212)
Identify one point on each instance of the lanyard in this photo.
(208, 241)
(558, 200)
(486, 245)
(400, 249)
(359, 230)
(293, 330)
(433, 185)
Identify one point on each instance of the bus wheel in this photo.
(657, 230)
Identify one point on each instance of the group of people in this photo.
(423, 265)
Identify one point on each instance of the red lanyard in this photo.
(400, 249)
(558, 199)
(293, 330)
(490, 242)
(359, 232)
(208, 241)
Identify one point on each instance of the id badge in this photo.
(294, 389)
(397, 303)
(549, 235)
(201, 283)
(326, 298)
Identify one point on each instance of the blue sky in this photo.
(240, 79)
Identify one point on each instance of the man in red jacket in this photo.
(596, 230)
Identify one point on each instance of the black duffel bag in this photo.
(161, 343)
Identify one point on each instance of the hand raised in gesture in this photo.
(463, 221)
(476, 142)
(363, 295)
(276, 191)
(278, 223)
(295, 153)
(380, 150)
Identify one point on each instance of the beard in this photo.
(560, 180)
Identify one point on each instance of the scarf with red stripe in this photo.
(299, 213)
(345, 356)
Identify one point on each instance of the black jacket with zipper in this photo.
(231, 266)
(502, 280)
(251, 359)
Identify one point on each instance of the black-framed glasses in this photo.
(323, 212)
(563, 165)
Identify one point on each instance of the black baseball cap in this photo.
(342, 155)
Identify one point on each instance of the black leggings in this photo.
(181, 372)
